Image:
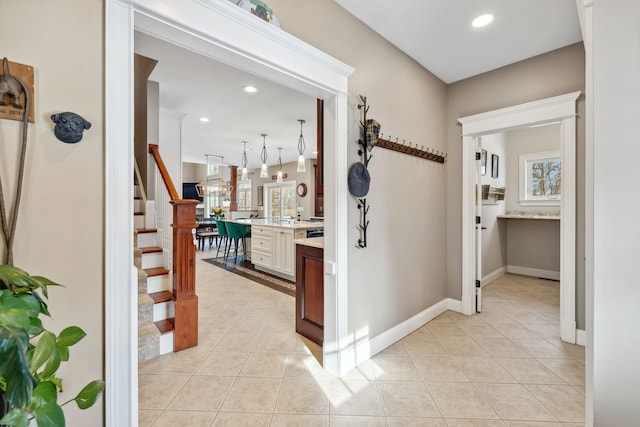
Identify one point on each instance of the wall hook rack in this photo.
(369, 130)
(410, 149)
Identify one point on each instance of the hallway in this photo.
(503, 367)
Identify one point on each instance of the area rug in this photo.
(246, 269)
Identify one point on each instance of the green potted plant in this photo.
(30, 355)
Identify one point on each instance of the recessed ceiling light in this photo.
(204, 119)
(482, 20)
(250, 89)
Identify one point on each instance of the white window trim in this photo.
(267, 193)
(525, 198)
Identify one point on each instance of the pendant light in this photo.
(263, 156)
(279, 180)
(245, 174)
(301, 147)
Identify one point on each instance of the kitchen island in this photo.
(272, 244)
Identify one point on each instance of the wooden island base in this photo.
(310, 292)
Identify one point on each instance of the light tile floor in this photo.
(503, 367)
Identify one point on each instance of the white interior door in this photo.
(481, 165)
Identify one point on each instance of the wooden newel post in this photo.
(185, 333)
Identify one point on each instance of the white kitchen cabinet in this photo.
(261, 246)
(283, 256)
(273, 250)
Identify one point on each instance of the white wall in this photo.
(170, 145)
(532, 246)
(494, 237)
(193, 172)
(400, 273)
(525, 141)
(555, 73)
(60, 230)
(616, 229)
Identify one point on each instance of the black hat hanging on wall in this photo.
(69, 126)
(358, 180)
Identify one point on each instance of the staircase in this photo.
(155, 299)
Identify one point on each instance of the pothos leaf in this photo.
(89, 394)
(50, 415)
(71, 335)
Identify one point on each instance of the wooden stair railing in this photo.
(185, 332)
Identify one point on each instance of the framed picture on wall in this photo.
(259, 198)
(483, 162)
(494, 165)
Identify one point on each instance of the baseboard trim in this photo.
(535, 272)
(493, 276)
(581, 337)
(366, 348)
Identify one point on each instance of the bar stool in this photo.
(224, 236)
(237, 232)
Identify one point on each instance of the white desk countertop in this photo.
(546, 216)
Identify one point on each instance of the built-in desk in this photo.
(533, 243)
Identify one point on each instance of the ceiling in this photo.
(200, 87)
(439, 36)
(436, 33)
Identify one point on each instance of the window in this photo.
(244, 196)
(540, 178)
(281, 200)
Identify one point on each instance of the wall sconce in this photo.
(301, 147)
(264, 173)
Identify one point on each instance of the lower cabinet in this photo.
(283, 256)
(310, 292)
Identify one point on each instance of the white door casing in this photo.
(556, 109)
(224, 32)
(478, 230)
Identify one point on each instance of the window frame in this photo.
(246, 188)
(268, 188)
(525, 176)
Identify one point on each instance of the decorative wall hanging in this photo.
(259, 9)
(359, 178)
(16, 90)
(14, 86)
(69, 126)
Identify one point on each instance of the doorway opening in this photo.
(228, 34)
(560, 109)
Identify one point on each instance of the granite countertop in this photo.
(546, 216)
(292, 224)
(315, 242)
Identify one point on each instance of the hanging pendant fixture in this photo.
(264, 173)
(279, 179)
(245, 173)
(301, 147)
